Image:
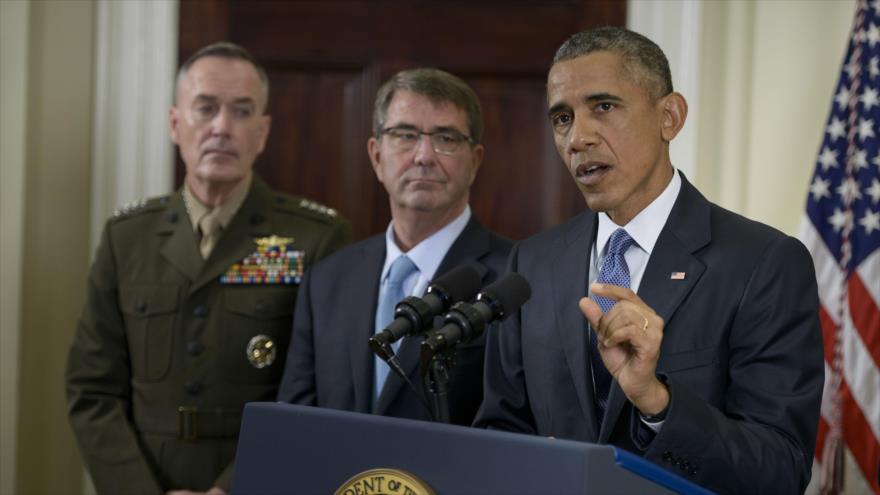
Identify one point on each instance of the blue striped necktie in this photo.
(615, 272)
(389, 295)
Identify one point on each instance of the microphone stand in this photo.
(437, 376)
(386, 353)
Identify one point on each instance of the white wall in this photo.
(52, 206)
(796, 67)
(765, 73)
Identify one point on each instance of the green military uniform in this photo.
(171, 346)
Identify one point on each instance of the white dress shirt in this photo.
(426, 255)
(645, 228)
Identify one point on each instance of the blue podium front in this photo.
(285, 449)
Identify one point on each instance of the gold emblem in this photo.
(384, 481)
(261, 351)
(264, 243)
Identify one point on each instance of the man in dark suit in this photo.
(188, 308)
(700, 347)
(426, 151)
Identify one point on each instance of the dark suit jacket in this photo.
(329, 362)
(741, 352)
(159, 331)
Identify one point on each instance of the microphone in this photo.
(465, 322)
(413, 314)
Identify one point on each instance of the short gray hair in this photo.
(439, 87)
(642, 58)
(225, 49)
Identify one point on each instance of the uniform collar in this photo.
(196, 210)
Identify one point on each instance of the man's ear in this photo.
(674, 109)
(173, 119)
(477, 152)
(374, 150)
(265, 127)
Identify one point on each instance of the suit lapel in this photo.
(180, 249)
(574, 258)
(408, 355)
(361, 298)
(687, 229)
(472, 245)
(616, 400)
(658, 289)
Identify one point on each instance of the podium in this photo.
(286, 449)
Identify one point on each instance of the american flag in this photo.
(841, 228)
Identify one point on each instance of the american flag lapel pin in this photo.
(676, 276)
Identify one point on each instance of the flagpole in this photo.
(833, 459)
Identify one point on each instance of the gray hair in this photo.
(439, 87)
(225, 49)
(642, 58)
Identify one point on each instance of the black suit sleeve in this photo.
(763, 439)
(298, 383)
(505, 399)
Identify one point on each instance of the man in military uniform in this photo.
(190, 297)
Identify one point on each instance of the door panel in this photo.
(327, 59)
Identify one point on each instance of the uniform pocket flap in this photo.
(261, 304)
(148, 300)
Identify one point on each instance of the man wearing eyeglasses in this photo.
(425, 150)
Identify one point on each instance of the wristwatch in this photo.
(656, 418)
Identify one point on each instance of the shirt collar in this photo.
(646, 226)
(195, 209)
(425, 254)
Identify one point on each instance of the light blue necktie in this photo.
(390, 294)
(615, 272)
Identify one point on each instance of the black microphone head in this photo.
(506, 294)
(459, 284)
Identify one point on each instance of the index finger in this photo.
(615, 292)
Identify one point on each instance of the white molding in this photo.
(135, 62)
(675, 25)
(14, 73)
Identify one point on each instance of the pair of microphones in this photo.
(463, 321)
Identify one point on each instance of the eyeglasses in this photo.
(446, 142)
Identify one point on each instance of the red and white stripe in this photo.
(852, 309)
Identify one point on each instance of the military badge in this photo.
(274, 262)
(261, 351)
(129, 207)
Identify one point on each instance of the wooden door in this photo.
(326, 60)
